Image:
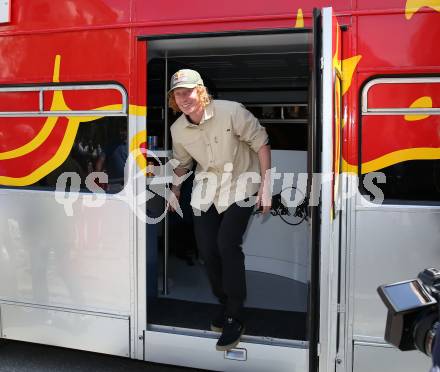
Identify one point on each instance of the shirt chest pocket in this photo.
(226, 145)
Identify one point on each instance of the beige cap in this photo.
(185, 79)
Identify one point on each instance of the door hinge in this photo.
(318, 349)
(322, 63)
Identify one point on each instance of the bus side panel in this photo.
(49, 258)
(85, 56)
(77, 330)
(369, 358)
(162, 11)
(45, 14)
(396, 41)
(393, 243)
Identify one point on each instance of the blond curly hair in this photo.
(204, 96)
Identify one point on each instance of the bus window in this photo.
(43, 138)
(400, 137)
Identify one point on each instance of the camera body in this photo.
(413, 311)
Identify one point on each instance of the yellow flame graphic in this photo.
(422, 102)
(135, 143)
(345, 67)
(299, 19)
(413, 6)
(337, 58)
(58, 104)
(348, 67)
(421, 153)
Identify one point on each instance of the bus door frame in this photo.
(325, 221)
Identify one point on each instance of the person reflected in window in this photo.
(112, 161)
(70, 165)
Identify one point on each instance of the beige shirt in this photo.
(225, 146)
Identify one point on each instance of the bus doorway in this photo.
(270, 74)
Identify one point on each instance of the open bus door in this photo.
(324, 166)
(178, 302)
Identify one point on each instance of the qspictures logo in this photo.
(207, 188)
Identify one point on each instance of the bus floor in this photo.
(275, 307)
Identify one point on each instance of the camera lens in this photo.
(429, 342)
(424, 331)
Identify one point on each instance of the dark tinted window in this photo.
(100, 146)
(411, 181)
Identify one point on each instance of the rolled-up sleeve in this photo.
(247, 127)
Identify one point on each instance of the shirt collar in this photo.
(208, 113)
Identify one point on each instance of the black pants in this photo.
(219, 238)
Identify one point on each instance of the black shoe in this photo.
(218, 321)
(232, 331)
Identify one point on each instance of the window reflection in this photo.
(100, 146)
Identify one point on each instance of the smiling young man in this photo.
(227, 142)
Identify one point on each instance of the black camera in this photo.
(413, 311)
